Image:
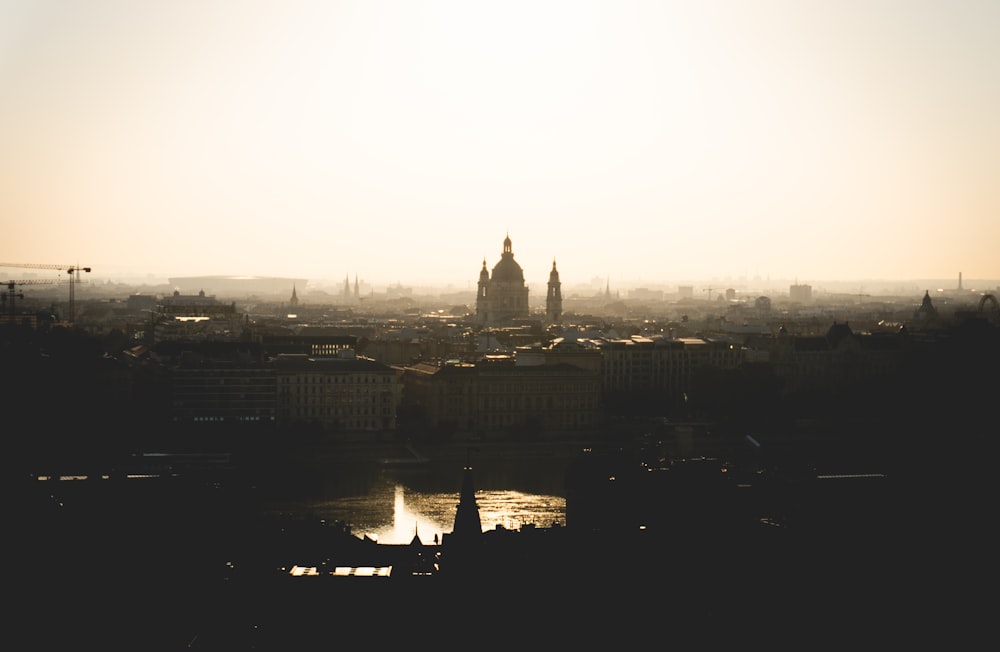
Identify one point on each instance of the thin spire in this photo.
(468, 525)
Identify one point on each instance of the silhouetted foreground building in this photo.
(665, 518)
(185, 561)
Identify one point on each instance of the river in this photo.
(391, 500)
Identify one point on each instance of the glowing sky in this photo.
(401, 141)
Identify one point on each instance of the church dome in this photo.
(507, 270)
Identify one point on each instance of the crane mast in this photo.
(12, 293)
(74, 277)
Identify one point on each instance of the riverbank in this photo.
(331, 451)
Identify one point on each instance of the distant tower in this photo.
(553, 300)
(294, 301)
(607, 289)
(347, 287)
(960, 281)
(357, 288)
(926, 309)
(800, 293)
(483, 295)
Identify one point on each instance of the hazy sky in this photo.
(402, 141)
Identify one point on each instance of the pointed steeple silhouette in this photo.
(468, 526)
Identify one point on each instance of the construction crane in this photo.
(74, 278)
(12, 293)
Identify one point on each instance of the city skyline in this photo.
(639, 143)
(100, 282)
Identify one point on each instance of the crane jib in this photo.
(74, 277)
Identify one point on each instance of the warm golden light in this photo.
(431, 516)
(742, 130)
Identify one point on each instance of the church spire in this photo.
(553, 300)
(468, 526)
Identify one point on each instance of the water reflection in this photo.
(394, 513)
(515, 486)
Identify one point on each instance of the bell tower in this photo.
(553, 300)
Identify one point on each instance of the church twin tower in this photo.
(502, 298)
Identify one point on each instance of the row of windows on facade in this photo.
(334, 391)
(248, 418)
(509, 420)
(475, 393)
(354, 423)
(336, 378)
(339, 402)
(313, 411)
(246, 376)
(518, 388)
(189, 396)
(614, 374)
(577, 402)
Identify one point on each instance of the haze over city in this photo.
(402, 141)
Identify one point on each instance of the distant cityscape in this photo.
(212, 355)
(100, 284)
(46, 282)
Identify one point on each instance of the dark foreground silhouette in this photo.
(681, 551)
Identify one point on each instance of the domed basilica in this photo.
(502, 297)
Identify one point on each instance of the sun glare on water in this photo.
(430, 516)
